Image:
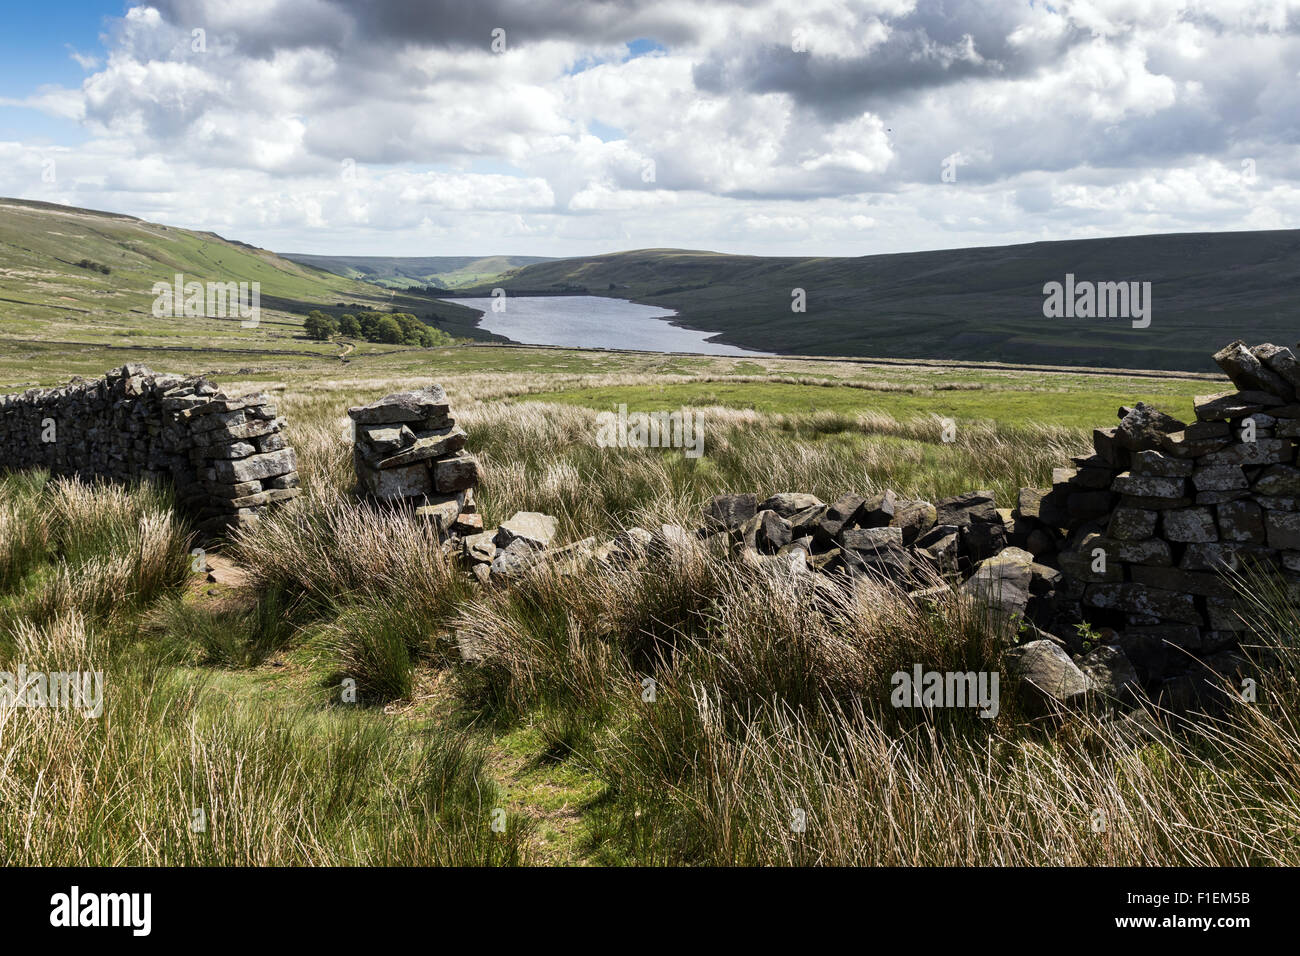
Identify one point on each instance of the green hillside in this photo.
(81, 276)
(973, 304)
(401, 272)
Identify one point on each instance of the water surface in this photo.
(593, 321)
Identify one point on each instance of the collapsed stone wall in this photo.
(1114, 576)
(226, 457)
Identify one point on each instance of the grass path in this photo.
(536, 782)
(552, 793)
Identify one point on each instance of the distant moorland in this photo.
(403, 272)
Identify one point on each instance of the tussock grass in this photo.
(183, 767)
(329, 548)
(24, 527)
(175, 775)
(239, 635)
(377, 643)
(868, 796)
(97, 549)
(772, 700)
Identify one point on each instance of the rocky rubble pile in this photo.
(409, 449)
(524, 542)
(965, 540)
(912, 544)
(227, 457)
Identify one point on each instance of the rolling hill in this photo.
(401, 272)
(83, 276)
(983, 304)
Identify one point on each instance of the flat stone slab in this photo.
(1266, 451)
(1244, 368)
(427, 445)
(1131, 524)
(410, 406)
(1047, 670)
(964, 509)
(1220, 478)
(1143, 426)
(871, 539)
(256, 467)
(729, 512)
(441, 511)
(1232, 404)
(1149, 486)
(457, 473)
(387, 438)
(408, 481)
(1241, 521)
(789, 503)
(1188, 525)
(480, 548)
(532, 527)
(1277, 480)
(1283, 530)
(1280, 360)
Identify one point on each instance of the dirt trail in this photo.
(220, 586)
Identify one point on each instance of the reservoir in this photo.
(593, 321)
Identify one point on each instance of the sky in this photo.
(578, 127)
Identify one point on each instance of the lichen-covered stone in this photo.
(1189, 524)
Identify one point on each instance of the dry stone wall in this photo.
(408, 450)
(1165, 515)
(227, 457)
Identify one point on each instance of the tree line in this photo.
(389, 328)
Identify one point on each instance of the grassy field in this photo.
(541, 747)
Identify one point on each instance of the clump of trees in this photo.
(320, 326)
(389, 328)
(349, 327)
(93, 266)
